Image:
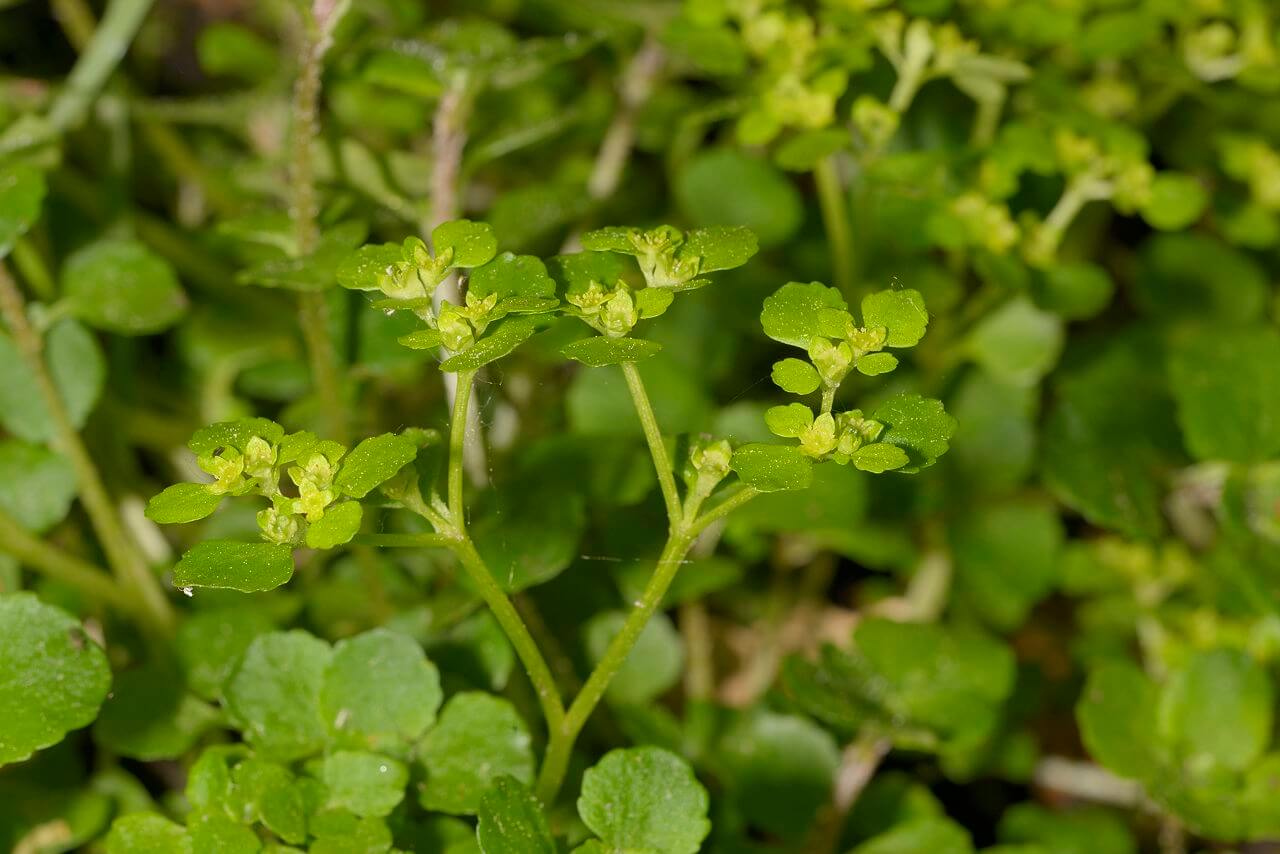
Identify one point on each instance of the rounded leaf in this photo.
(338, 525)
(797, 313)
(37, 485)
(479, 738)
(122, 286)
(53, 677)
(1176, 201)
(796, 376)
(379, 691)
(645, 798)
(902, 313)
(918, 425)
(78, 370)
(273, 696)
(471, 243)
(367, 784)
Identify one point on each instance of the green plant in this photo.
(561, 536)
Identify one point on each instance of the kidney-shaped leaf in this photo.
(53, 677)
(122, 286)
(645, 799)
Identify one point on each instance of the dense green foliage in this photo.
(900, 476)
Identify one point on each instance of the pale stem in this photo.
(1087, 782)
(122, 552)
(313, 309)
(634, 89)
(834, 203)
(858, 764)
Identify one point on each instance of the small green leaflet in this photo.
(507, 336)
(796, 376)
(772, 468)
(599, 351)
(76, 364)
(798, 313)
(338, 525)
(511, 277)
(182, 502)
(372, 462)
(37, 485)
(902, 313)
(247, 567)
(368, 784)
(147, 833)
(918, 425)
(468, 243)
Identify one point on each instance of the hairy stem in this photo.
(834, 202)
(63, 568)
(122, 552)
(448, 143)
(657, 448)
(313, 309)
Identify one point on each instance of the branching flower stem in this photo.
(459, 541)
(685, 526)
(313, 309)
(123, 554)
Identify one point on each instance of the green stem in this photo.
(657, 448)
(733, 499)
(556, 761)
(544, 683)
(313, 310)
(458, 445)
(490, 591)
(122, 552)
(835, 219)
(103, 53)
(33, 269)
(62, 567)
(404, 541)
